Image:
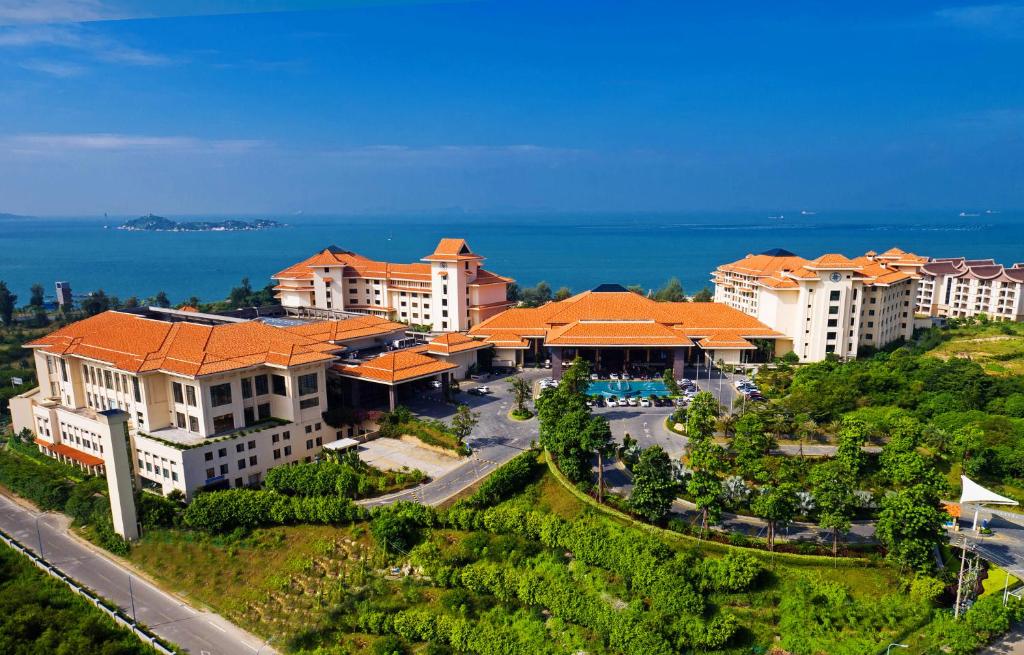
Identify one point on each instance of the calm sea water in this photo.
(576, 250)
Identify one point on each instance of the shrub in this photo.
(508, 479)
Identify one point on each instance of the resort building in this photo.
(831, 305)
(448, 290)
(621, 331)
(206, 400)
(958, 287)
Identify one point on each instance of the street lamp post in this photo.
(131, 595)
(39, 536)
(897, 646)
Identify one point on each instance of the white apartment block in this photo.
(448, 291)
(206, 404)
(831, 305)
(958, 287)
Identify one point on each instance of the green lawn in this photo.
(998, 353)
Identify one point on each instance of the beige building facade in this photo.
(448, 291)
(831, 305)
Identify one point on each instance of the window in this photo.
(252, 460)
(260, 382)
(833, 295)
(222, 452)
(833, 322)
(309, 402)
(239, 447)
(220, 394)
(286, 435)
(250, 415)
(246, 387)
(263, 411)
(190, 395)
(138, 391)
(308, 384)
(317, 426)
(830, 348)
(319, 441)
(223, 422)
(179, 395)
(238, 483)
(241, 464)
(833, 310)
(309, 444)
(193, 424)
(287, 451)
(278, 385)
(309, 429)
(180, 420)
(208, 456)
(830, 336)
(277, 453)
(274, 438)
(108, 380)
(210, 473)
(223, 469)
(251, 445)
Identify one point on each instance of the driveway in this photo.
(395, 454)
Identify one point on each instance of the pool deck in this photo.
(627, 388)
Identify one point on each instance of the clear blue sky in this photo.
(130, 107)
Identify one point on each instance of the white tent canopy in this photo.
(974, 493)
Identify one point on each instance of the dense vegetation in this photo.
(430, 431)
(40, 615)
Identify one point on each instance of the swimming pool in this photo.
(627, 388)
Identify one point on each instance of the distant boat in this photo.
(777, 218)
(804, 212)
(991, 211)
(968, 214)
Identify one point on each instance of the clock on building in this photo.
(835, 277)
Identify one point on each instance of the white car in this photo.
(593, 376)
(547, 363)
(484, 389)
(435, 384)
(645, 402)
(614, 376)
(622, 403)
(633, 402)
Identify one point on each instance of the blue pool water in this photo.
(628, 388)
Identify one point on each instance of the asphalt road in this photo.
(196, 631)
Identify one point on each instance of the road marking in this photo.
(218, 627)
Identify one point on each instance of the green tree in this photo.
(701, 415)
(833, 486)
(521, 392)
(7, 303)
(131, 302)
(637, 289)
(910, 526)
(654, 485)
(241, 296)
(36, 299)
(563, 293)
(463, 423)
(670, 382)
(853, 434)
(161, 299)
(704, 295)
(535, 296)
(95, 303)
(777, 504)
(751, 441)
(568, 430)
(671, 292)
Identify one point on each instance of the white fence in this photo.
(119, 617)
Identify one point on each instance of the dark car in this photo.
(475, 392)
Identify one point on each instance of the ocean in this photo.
(575, 250)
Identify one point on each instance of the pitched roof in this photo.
(620, 318)
(138, 344)
(395, 367)
(780, 269)
(451, 250)
(454, 342)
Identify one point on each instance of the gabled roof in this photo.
(395, 368)
(451, 250)
(138, 344)
(621, 318)
(454, 342)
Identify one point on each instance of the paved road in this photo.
(495, 440)
(194, 630)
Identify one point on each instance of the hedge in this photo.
(223, 511)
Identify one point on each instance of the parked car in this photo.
(633, 402)
(681, 402)
(484, 389)
(622, 402)
(547, 363)
(594, 376)
(474, 392)
(613, 376)
(436, 384)
(645, 402)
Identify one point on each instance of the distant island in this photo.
(153, 223)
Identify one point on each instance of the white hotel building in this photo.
(958, 287)
(829, 305)
(208, 400)
(448, 291)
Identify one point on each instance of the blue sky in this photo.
(235, 107)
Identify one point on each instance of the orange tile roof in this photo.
(68, 451)
(764, 264)
(137, 344)
(832, 260)
(620, 318)
(187, 308)
(396, 367)
(783, 272)
(454, 342)
(451, 250)
(723, 341)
